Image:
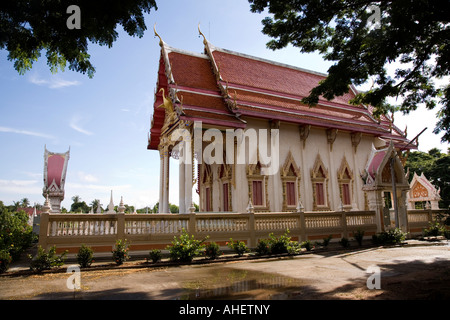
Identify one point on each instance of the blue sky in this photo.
(105, 120)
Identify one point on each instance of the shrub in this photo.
(185, 248)
(5, 260)
(307, 245)
(15, 233)
(326, 241)
(294, 247)
(85, 256)
(212, 250)
(447, 234)
(46, 260)
(344, 242)
(435, 229)
(359, 235)
(280, 244)
(239, 247)
(392, 236)
(263, 247)
(155, 255)
(120, 252)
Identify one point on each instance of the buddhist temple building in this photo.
(334, 156)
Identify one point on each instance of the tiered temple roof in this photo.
(222, 88)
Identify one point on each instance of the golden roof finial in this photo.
(201, 34)
(161, 42)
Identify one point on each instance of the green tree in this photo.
(78, 205)
(25, 203)
(15, 233)
(95, 204)
(29, 27)
(413, 34)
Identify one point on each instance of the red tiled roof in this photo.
(208, 84)
(192, 71)
(257, 73)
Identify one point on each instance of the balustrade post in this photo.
(302, 224)
(344, 224)
(120, 225)
(251, 229)
(43, 230)
(192, 224)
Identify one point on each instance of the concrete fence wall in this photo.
(147, 231)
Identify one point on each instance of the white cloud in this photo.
(26, 132)
(54, 83)
(74, 124)
(86, 177)
(20, 187)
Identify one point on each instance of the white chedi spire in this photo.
(111, 205)
(121, 207)
(46, 208)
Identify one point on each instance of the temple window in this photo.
(225, 178)
(206, 193)
(290, 175)
(257, 187)
(208, 204)
(319, 180)
(225, 190)
(345, 180)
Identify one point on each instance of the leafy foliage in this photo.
(5, 260)
(29, 27)
(344, 242)
(280, 244)
(263, 247)
(46, 260)
(85, 256)
(359, 235)
(120, 252)
(155, 255)
(185, 248)
(15, 233)
(239, 247)
(212, 250)
(78, 205)
(393, 236)
(413, 35)
(434, 229)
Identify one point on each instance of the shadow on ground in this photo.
(404, 280)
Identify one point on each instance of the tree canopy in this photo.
(411, 36)
(28, 27)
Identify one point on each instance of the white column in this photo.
(181, 187)
(188, 185)
(165, 206)
(161, 181)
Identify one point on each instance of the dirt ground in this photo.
(410, 272)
